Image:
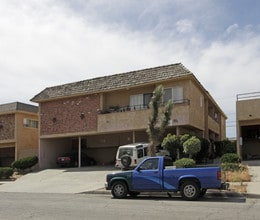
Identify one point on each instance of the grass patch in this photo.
(237, 178)
(241, 175)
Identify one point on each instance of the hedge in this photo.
(25, 163)
(6, 172)
(230, 158)
(185, 163)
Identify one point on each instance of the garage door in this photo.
(7, 156)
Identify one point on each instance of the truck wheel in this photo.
(119, 190)
(126, 161)
(190, 190)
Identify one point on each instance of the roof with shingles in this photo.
(18, 106)
(113, 82)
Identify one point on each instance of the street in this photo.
(101, 206)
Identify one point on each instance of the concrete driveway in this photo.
(71, 180)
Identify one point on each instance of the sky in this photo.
(52, 42)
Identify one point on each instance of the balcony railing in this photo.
(116, 108)
(246, 96)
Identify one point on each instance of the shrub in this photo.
(230, 166)
(185, 163)
(230, 158)
(192, 146)
(204, 151)
(6, 172)
(25, 163)
(224, 147)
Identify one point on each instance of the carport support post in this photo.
(79, 147)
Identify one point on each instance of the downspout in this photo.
(79, 152)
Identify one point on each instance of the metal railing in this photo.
(138, 107)
(246, 96)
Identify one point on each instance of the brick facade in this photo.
(7, 127)
(69, 115)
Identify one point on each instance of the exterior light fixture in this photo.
(82, 115)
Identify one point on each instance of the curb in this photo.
(252, 196)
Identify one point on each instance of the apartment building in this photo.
(18, 132)
(248, 125)
(97, 115)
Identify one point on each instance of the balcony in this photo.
(123, 120)
(213, 125)
(136, 117)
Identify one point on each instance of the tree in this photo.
(192, 146)
(158, 120)
(172, 143)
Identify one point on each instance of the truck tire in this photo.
(190, 190)
(119, 190)
(125, 161)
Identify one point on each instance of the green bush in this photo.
(230, 166)
(185, 163)
(25, 163)
(230, 158)
(6, 172)
(224, 147)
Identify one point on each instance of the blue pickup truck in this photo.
(154, 175)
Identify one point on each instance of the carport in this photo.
(101, 147)
(251, 141)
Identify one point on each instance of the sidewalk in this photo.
(253, 187)
(71, 180)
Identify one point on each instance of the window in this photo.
(140, 101)
(140, 153)
(30, 123)
(151, 164)
(125, 151)
(175, 94)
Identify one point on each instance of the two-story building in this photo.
(248, 125)
(18, 132)
(98, 115)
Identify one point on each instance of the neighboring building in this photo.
(103, 113)
(19, 134)
(248, 125)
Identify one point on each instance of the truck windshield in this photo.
(125, 151)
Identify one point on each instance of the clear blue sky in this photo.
(51, 42)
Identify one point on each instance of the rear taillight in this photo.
(67, 158)
(219, 175)
(135, 161)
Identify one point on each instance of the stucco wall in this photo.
(197, 114)
(27, 137)
(64, 115)
(248, 109)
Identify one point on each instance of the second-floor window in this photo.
(29, 123)
(175, 94)
(140, 101)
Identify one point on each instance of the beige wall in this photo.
(26, 137)
(248, 114)
(197, 114)
(23, 140)
(122, 97)
(248, 109)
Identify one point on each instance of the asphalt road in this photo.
(59, 206)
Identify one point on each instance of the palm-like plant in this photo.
(159, 119)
